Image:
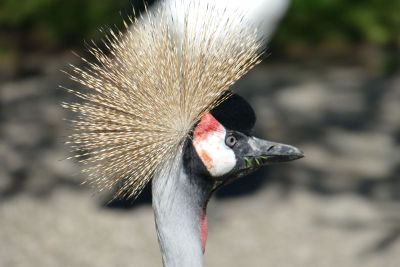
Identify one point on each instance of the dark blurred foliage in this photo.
(331, 30)
(342, 21)
(57, 23)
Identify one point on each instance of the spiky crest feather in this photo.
(146, 95)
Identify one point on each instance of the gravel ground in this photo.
(336, 207)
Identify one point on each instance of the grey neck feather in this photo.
(178, 201)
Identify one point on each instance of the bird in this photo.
(155, 106)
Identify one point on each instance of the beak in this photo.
(263, 152)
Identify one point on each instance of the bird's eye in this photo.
(230, 141)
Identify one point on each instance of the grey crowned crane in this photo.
(157, 106)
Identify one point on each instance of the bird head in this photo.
(156, 88)
(224, 147)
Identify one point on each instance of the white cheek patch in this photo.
(209, 142)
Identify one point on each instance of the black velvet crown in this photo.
(235, 113)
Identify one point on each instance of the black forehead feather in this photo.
(235, 113)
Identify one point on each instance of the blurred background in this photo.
(329, 85)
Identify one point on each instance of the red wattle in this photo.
(204, 229)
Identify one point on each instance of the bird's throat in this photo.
(203, 228)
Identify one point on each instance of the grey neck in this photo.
(178, 202)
